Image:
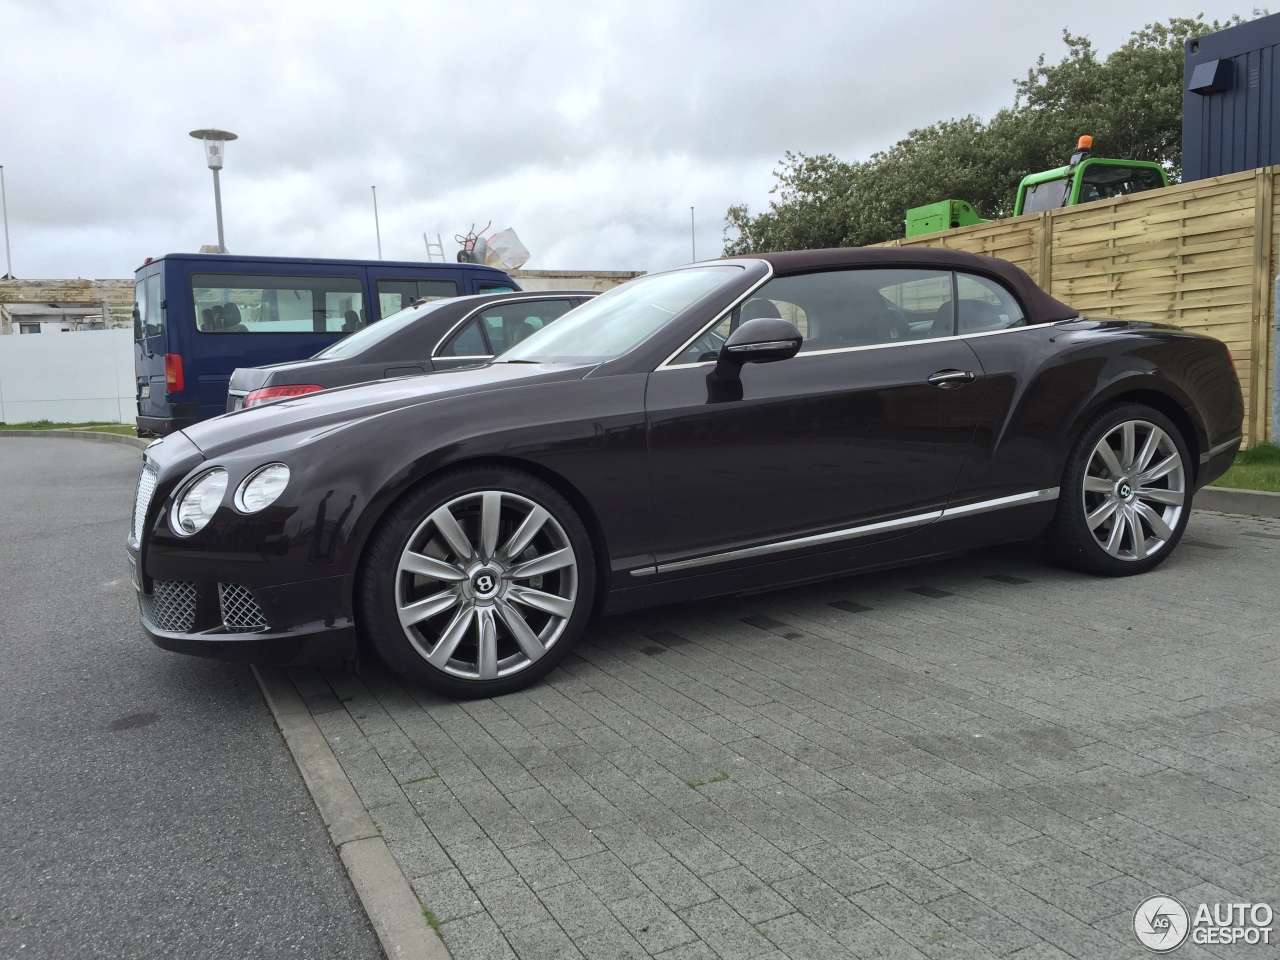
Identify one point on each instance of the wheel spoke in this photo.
(452, 636)
(1108, 456)
(540, 600)
(1161, 469)
(526, 532)
(1101, 514)
(1112, 546)
(529, 642)
(556, 560)
(1155, 520)
(1139, 538)
(1098, 485)
(1157, 495)
(487, 643)
(1148, 449)
(1128, 440)
(424, 566)
(447, 524)
(427, 608)
(490, 517)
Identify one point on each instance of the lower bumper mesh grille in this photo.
(171, 605)
(240, 611)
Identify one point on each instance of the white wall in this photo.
(68, 377)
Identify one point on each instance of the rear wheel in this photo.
(478, 583)
(1126, 493)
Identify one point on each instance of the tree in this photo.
(1131, 102)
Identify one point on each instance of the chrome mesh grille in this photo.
(142, 501)
(239, 610)
(171, 605)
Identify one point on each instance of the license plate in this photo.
(144, 390)
(133, 572)
(237, 402)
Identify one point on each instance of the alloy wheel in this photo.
(486, 585)
(1134, 490)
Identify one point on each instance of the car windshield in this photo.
(616, 321)
(375, 333)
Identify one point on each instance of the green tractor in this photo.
(1084, 179)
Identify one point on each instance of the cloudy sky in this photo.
(589, 127)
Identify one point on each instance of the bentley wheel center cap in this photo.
(1125, 490)
(486, 583)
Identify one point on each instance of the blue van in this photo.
(196, 317)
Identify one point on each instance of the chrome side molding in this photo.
(853, 533)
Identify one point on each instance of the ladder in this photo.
(435, 251)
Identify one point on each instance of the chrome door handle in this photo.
(952, 378)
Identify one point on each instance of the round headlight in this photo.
(197, 504)
(262, 488)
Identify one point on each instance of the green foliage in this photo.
(1130, 102)
(1257, 468)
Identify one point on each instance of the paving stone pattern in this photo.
(987, 757)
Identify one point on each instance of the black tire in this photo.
(1143, 508)
(553, 605)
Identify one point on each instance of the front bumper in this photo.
(309, 644)
(288, 625)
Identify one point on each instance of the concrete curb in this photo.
(80, 435)
(1254, 503)
(392, 906)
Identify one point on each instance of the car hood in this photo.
(316, 412)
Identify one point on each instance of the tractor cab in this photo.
(1084, 179)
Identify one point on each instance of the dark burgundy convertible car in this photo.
(723, 427)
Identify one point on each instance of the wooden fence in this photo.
(1201, 255)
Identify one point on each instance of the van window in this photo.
(148, 318)
(395, 295)
(233, 303)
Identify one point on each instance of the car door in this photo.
(867, 427)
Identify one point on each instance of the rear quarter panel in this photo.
(1045, 383)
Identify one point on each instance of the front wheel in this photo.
(478, 582)
(1126, 493)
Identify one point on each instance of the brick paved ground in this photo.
(979, 758)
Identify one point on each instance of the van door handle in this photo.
(950, 379)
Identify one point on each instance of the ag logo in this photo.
(1161, 923)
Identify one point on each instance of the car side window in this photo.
(983, 305)
(467, 342)
(509, 323)
(835, 309)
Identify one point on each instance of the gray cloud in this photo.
(590, 128)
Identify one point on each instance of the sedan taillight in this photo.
(264, 394)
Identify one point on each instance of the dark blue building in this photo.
(1231, 100)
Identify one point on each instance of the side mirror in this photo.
(762, 340)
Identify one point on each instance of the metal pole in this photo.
(693, 242)
(217, 206)
(377, 229)
(4, 204)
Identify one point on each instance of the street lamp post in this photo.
(4, 206)
(214, 147)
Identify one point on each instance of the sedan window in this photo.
(467, 342)
(984, 305)
(509, 323)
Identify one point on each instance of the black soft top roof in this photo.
(1040, 307)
